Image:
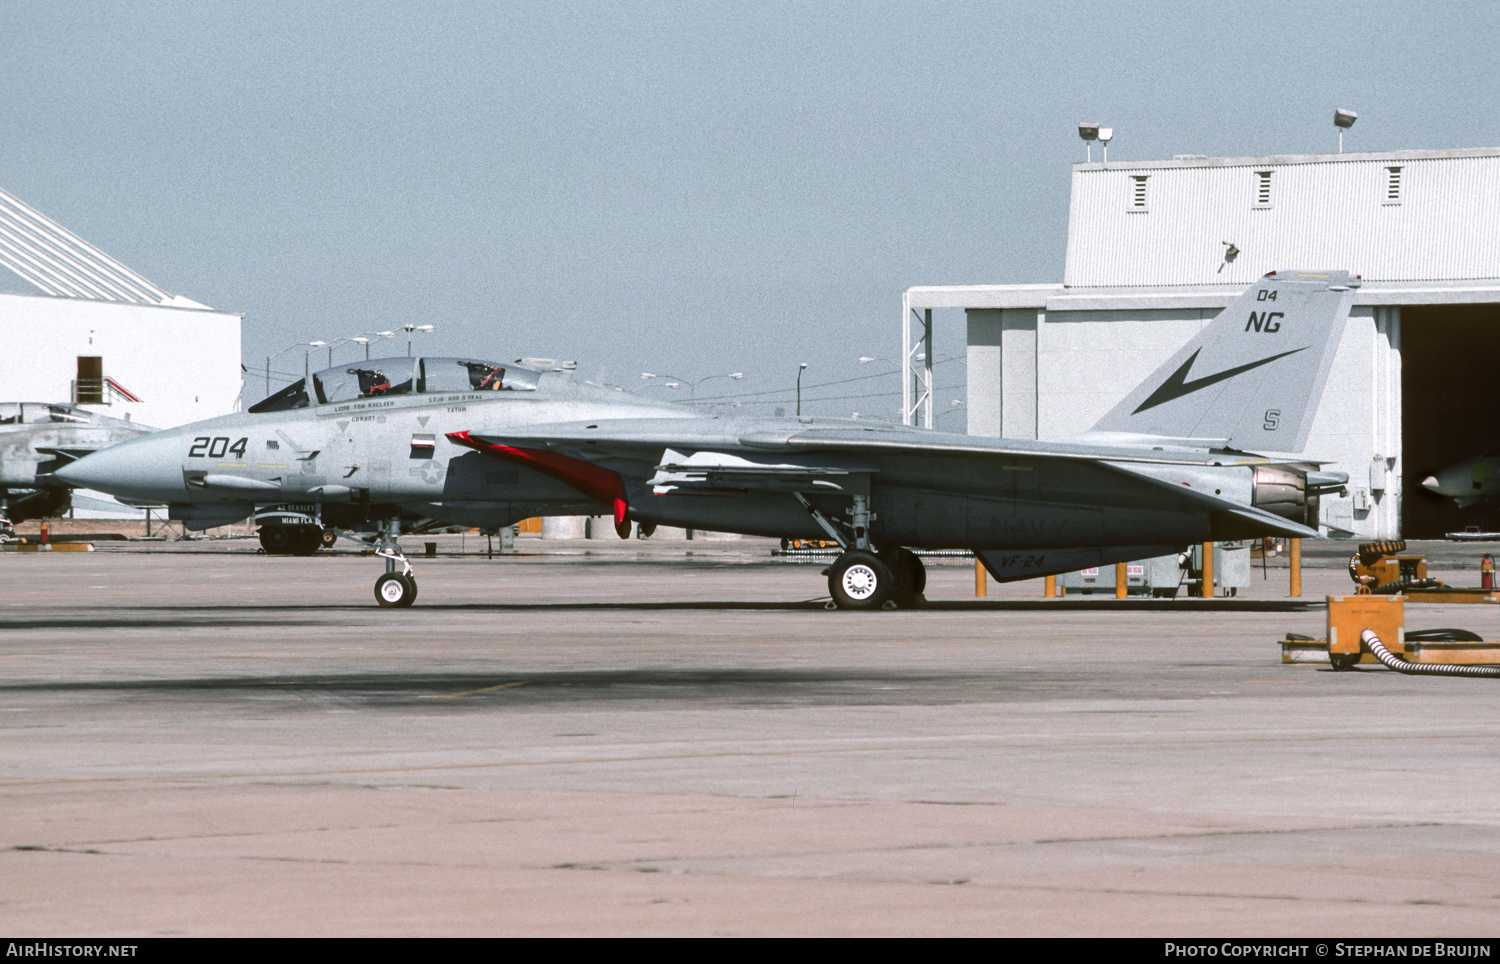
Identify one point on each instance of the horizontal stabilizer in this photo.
(1260, 522)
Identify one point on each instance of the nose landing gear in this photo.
(394, 590)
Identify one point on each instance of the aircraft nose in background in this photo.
(1431, 484)
(142, 468)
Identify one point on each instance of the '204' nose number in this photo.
(217, 448)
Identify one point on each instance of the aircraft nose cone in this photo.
(1431, 484)
(141, 468)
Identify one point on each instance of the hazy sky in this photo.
(690, 188)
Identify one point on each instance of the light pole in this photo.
(359, 339)
(801, 367)
(1343, 120)
(277, 355)
(379, 336)
(691, 383)
(866, 359)
(411, 328)
(307, 365)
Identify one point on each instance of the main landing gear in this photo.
(394, 590)
(862, 578)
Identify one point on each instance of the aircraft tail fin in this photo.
(1254, 376)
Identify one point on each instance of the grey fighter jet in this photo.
(36, 439)
(366, 448)
(473, 443)
(1172, 464)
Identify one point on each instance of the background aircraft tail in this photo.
(1253, 377)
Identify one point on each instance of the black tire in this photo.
(909, 575)
(1343, 661)
(919, 574)
(276, 540)
(328, 538)
(395, 591)
(306, 540)
(859, 580)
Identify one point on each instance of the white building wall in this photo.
(183, 363)
(1088, 360)
(1002, 372)
(985, 408)
(1325, 211)
(1020, 327)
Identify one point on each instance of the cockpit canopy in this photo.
(387, 377)
(36, 413)
(470, 375)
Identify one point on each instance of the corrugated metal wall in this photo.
(1329, 212)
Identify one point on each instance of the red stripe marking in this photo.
(590, 479)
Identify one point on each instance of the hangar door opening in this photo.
(1450, 385)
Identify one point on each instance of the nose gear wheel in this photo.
(395, 590)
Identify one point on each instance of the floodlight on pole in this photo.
(427, 329)
(692, 383)
(277, 355)
(306, 364)
(1343, 120)
(1089, 133)
(801, 367)
(1106, 134)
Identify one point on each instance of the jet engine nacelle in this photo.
(1283, 491)
(1291, 492)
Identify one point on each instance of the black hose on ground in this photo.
(1392, 661)
(1400, 586)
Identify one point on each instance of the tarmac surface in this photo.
(622, 738)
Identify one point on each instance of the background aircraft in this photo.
(475, 443)
(36, 439)
(1468, 483)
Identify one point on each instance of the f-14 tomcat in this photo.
(473, 443)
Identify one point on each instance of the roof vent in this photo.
(1138, 192)
(1262, 189)
(1392, 186)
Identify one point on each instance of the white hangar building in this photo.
(1156, 249)
(102, 336)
